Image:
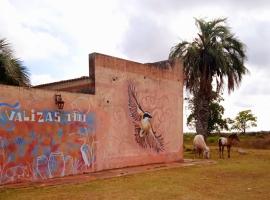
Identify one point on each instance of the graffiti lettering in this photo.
(40, 116)
(49, 117)
(43, 116)
(11, 116)
(18, 117)
(25, 117)
(57, 117)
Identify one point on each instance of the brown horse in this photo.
(228, 142)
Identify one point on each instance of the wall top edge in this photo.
(110, 61)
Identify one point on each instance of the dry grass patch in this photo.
(241, 177)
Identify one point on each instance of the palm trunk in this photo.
(202, 102)
(202, 116)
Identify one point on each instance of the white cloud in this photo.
(30, 43)
(60, 30)
(254, 94)
(37, 79)
(54, 37)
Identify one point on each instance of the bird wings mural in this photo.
(144, 134)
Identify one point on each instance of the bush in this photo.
(211, 140)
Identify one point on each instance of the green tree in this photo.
(214, 56)
(244, 120)
(12, 72)
(230, 123)
(216, 122)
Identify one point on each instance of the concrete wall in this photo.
(158, 90)
(93, 132)
(78, 85)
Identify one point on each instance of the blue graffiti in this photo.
(3, 143)
(11, 157)
(21, 146)
(21, 150)
(53, 142)
(46, 151)
(64, 118)
(19, 141)
(83, 131)
(53, 163)
(60, 133)
(32, 134)
(35, 151)
(90, 119)
(5, 123)
(48, 116)
(14, 106)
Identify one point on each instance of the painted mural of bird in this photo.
(144, 134)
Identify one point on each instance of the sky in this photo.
(54, 38)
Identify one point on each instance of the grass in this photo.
(257, 140)
(241, 177)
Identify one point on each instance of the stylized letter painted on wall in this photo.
(144, 133)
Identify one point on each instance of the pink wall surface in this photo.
(158, 91)
(134, 118)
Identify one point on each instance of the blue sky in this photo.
(54, 38)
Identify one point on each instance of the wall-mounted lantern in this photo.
(59, 101)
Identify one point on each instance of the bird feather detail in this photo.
(145, 136)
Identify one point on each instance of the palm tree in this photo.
(12, 72)
(214, 58)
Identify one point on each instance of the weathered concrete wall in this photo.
(110, 129)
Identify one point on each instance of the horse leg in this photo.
(219, 151)
(219, 145)
(199, 152)
(222, 150)
(229, 150)
(194, 152)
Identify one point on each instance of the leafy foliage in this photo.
(244, 120)
(216, 122)
(12, 72)
(214, 56)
